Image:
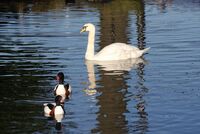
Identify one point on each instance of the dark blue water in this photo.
(157, 94)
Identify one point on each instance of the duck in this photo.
(62, 89)
(54, 109)
(114, 51)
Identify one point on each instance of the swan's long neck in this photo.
(89, 55)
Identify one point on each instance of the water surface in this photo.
(157, 94)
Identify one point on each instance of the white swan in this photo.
(114, 51)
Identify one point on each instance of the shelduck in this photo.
(54, 109)
(62, 89)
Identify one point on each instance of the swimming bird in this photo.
(53, 109)
(114, 51)
(61, 89)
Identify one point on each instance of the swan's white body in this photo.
(118, 51)
(115, 51)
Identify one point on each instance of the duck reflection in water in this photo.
(113, 89)
(58, 119)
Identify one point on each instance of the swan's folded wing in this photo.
(117, 51)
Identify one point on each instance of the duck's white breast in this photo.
(58, 110)
(60, 89)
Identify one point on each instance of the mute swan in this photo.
(114, 51)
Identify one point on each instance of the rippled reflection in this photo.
(117, 66)
(24, 6)
(141, 124)
(113, 88)
(110, 115)
(112, 68)
(21, 83)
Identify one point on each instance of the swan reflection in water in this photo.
(114, 94)
(112, 68)
(118, 65)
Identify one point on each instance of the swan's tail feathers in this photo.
(145, 50)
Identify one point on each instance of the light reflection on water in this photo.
(157, 95)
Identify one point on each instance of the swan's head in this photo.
(87, 27)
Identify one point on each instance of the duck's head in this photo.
(87, 27)
(60, 77)
(58, 100)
